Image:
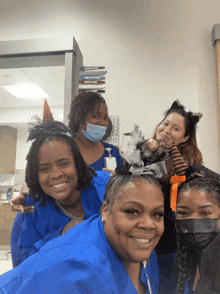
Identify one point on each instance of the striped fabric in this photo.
(179, 165)
(179, 169)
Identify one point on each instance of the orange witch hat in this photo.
(179, 169)
(47, 116)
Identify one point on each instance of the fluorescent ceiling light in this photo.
(26, 91)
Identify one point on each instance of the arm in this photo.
(22, 204)
(43, 225)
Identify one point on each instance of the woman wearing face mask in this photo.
(89, 123)
(198, 224)
(178, 127)
(111, 253)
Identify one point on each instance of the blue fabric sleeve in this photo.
(35, 233)
(69, 277)
(28, 251)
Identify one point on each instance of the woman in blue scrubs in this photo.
(62, 186)
(111, 253)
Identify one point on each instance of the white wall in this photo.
(155, 52)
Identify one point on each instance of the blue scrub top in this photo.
(80, 261)
(47, 222)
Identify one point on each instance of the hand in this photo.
(109, 170)
(70, 224)
(18, 205)
(152, 145)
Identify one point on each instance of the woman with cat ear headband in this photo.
(179, 127)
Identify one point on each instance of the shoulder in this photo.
(210, 173)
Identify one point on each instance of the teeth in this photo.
(141, 241)
(60, 185)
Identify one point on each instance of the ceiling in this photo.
(49, 78)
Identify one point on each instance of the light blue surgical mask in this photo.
(94, 133)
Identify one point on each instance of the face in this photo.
(196, 204)
(98, 117)
(172, 129)
(57, 173)
(134, 224)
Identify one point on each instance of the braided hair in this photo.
(187, 260)
(84, 172)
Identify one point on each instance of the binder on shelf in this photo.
(87, 78)
(91, 82)
(94, 91)
(91, 67)
(92, 73)
(92, 87)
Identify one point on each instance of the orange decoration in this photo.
(175, 181)
(47, 117)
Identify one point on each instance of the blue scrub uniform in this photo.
(100, 163)
(80, 261)
(47, 222)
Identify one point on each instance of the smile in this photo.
(142, 241)
(59, 185)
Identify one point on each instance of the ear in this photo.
(186, 138)
(105, 212)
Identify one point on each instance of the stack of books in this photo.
(91, 79)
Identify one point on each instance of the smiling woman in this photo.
(64, 189)
(108, 253)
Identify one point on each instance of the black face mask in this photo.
(197, 233)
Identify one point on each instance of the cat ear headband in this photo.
(193, 118)
(47, 126)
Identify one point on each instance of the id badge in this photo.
(110, 163)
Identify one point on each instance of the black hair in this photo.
(81, 105)
(187, 260)
(117, 181)
(84, 172)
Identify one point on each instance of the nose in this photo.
(167, 129)
(55, 172)
(147, 223)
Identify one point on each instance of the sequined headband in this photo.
(133, 156)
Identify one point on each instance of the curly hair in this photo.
(187, 260)
(84, 172)
(81, 105)
(188, 149)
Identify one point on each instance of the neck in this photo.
(73, 203)
(134, 270)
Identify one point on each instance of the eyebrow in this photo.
(176, 125)
(138, 203)
(183, 207)
(204, 206)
